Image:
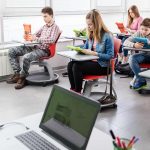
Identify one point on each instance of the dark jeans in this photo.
(77, 70)
(125, 52)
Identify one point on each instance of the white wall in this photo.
(1, 10)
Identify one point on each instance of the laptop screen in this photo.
(69, 117)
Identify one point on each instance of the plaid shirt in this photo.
(46, 35)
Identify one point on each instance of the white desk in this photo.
(136, 49)
(7, 45)
(76, 38)
(123, 34)
(98, 139)
(145, 74)
(76, 56)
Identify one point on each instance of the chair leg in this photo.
(88, 88)
(48, 68)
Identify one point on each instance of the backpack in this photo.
(124, 69)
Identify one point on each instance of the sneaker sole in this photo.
(144, 86)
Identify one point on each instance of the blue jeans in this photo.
(135, 60)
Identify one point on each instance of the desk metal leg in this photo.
(65, 74)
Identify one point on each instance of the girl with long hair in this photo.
(99, 43)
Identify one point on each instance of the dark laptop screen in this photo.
(69, 117)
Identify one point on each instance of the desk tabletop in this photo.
(7, 45)
(76, 56)
(145, 74)
(98, 140)
(122, 34)
(76, 38)
(136, 49)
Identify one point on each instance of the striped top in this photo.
(46, 35)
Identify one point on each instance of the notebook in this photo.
(121, 27)
(75, 48)
(68, 118)
(27, 31)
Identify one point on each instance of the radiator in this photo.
(5, 67)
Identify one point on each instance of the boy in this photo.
(142, 57)
(46, 35)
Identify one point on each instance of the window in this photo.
(70, 5)
(23, 7)
(144, 7)
(25, 3)
(106, 5)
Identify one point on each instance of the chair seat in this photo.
(93, 77)
(145, 65)
(42, 58)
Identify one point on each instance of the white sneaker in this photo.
(132, 81)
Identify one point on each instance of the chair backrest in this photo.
(52, 47)
(117, 44)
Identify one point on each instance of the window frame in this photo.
(121, 8)
(22, 11)
(74, 12)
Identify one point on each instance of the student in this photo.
(46, 35)
(142, 57)
(133, 25)
(99, 43)
(134, 19)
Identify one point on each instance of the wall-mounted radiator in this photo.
(5, 68)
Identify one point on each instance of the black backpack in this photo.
(124, 69)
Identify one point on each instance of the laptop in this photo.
(68, 119)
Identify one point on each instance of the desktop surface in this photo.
(76, 56)
(98, 139)
(136, 49)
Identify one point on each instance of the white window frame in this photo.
(72, 12)
(140, 9)
(110, 8)
(23, 11)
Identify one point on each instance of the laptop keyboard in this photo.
(35, 141)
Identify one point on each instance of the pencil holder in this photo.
(126, 141)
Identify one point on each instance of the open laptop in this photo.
(68, 118)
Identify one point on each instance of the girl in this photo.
(99, 43)
(133, 25)
(134, 19)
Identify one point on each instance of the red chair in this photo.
(47, 76)
(94, 80)
(144, 65)
(147, 89)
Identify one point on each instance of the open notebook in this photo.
(121, 27)
(75, 48)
